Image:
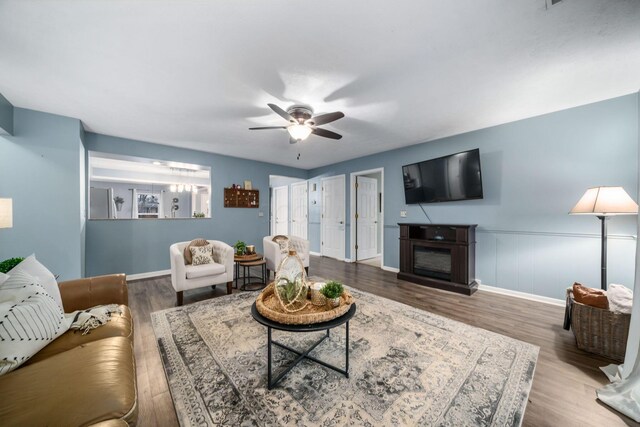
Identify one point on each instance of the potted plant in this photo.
(332, 291)
(240, 247)
(119, 201)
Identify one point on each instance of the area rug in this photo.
(407, 367)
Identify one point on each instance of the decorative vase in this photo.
(333, 302)
(119, 206)
(290, 283)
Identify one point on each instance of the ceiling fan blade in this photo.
(268, 127)
(326, 118)
(292, 141)
(326, 133)
(279, 111)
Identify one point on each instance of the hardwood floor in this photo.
(565, 381)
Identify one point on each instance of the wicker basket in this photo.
(268, 305)
(600, 331)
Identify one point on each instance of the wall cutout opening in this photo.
(128, 187)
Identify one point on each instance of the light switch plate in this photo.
(261, 214)
(403, 214)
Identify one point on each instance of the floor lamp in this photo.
(604, 202)
(6, 213)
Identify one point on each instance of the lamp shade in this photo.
(605, 201)
(299, 132)
(6, 213)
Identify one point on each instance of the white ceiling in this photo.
(197, 74)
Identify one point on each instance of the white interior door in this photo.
(333, 216)
(298, 225)
(281, 211)
(367, 217)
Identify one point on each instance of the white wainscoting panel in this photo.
(547, 263)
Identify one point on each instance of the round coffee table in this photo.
(246, 262)
(270, 324)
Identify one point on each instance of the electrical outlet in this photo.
(403, 214)
(261, 214)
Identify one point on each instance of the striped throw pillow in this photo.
(29, 320)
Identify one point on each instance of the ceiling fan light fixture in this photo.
(299, 132)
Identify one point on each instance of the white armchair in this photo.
(185, 277)
(273, 254)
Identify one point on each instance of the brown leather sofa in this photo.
(79, 380)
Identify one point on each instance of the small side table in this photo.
(324, 326)
(246, 262)
(246, 275)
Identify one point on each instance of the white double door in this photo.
(333, 217)
(298, 226)
(367, 217)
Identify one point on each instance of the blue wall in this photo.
(534, 171)
(40, 170)
(139, 246)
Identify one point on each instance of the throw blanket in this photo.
(91, 318)
(620, 298)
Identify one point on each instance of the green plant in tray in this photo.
(240, 247)
(332, 289)
(287, 289)
(8, 264)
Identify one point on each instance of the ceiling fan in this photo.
(303, 123)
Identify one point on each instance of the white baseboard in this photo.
(523, 295)
(147, 275)
(347, 260)
(391, 269)
(315, 253)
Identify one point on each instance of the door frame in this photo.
(344, 215)
(352, 219)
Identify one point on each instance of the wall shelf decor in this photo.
(239, 198)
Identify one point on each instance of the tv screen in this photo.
(445, 179)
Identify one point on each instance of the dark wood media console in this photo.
(439, 255)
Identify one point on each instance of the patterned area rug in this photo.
(407, 367)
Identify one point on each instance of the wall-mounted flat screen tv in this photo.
(445, 179)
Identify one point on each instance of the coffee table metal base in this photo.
(316, 327)
(303, 355)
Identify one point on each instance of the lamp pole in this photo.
(603, 253)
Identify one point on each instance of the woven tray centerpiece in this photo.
(268, 304)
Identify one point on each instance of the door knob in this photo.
(341, 222)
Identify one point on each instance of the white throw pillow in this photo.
(31, 319)
(201, 255)
(620, 298)
(34, 268)
(3, 278)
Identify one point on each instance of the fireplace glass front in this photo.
(432, 262)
